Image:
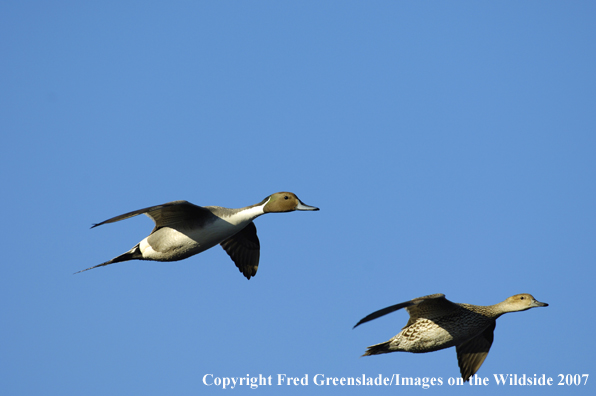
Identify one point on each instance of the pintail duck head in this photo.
(284, 202)
(520, 302)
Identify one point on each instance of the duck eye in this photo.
(522, 297)
(286, 197)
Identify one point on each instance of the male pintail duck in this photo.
(183, 230)
(437, 323)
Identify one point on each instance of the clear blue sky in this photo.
(451, 147)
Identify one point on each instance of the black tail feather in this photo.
(378, 349)
(132, 254)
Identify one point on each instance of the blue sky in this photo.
(450, 147)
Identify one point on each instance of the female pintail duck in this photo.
(437, 323)
(183, 230)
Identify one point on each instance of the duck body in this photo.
(183, 230)
(436, 333)
(436, 323)
(196, 235)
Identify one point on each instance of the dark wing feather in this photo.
(430, 307)
(244, 249)
(471, 354)
(428, 302)
(383, 312)
(168, 214)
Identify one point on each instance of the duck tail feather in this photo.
(384, 347)
(132, 254)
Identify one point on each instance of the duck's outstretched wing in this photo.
(244, 249)
(416, 308)
(168, 214)
(430, 307)
(471, 354)
(383, 312)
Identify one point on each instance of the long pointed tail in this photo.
(132, 254)
(378, 349)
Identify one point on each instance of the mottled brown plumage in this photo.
(437, 323)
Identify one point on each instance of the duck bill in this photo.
(539, 304)
(302, 206)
